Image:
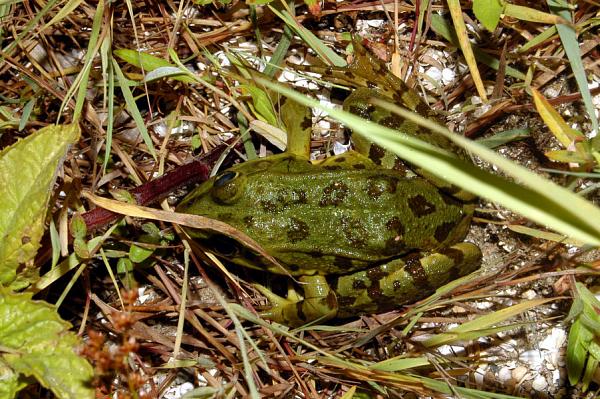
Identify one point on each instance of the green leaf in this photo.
(557, 125)
(262, 104)
(328, 56)
(576, 352)
(36, 343)
(66, 11)
(151, 63)
(488, 12)
(476, 328)
(78, 226)
(139, 254)
(532, 15)
(504, 137)
(27, 173)
(566, 156)
(27, 113)
(399, 363)
(583, 352)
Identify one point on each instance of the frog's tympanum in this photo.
(360, 231)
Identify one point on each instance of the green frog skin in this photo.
(359, 231)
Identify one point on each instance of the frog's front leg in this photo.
(319, 303)
(399, 281)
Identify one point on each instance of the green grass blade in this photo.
(504, 137)
(65, 12)
(82, 78)
(539, 39)
(465, 46)
(133, 109)
(110, 97)
(535, 197)
(329, 56)
(480, 326)
(27, 113)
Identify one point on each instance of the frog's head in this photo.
(222, 191)
(233, 189)
(229, 197)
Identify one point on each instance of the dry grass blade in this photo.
(465, 45)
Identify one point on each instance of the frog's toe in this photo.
(319, 304)
(275, 300)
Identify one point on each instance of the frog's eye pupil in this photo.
(225, 178)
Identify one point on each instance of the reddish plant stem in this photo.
(158, 189)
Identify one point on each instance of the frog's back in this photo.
(339, 216)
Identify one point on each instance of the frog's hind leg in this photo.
(406, 280)
(319, 303)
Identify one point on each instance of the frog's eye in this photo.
(228, 187)
(225, 178)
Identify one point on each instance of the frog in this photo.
(360, 232)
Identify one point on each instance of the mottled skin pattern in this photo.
(361, 232)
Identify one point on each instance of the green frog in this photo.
(360, 232)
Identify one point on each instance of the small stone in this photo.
(504, 374)
(519, 373)
(539, 383)
(529, 294)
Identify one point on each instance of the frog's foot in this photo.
(319, 303)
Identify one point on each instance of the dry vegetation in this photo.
(131, 335)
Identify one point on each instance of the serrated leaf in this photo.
(27, 173)
(488, 12)
(36, 343)
(10, 383)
